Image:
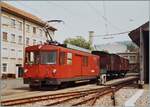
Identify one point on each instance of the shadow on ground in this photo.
(53, 88)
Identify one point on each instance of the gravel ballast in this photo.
(121, 97)
(144, 100)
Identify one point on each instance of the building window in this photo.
(5, 37)
(4, 67)
(13, 55)
(85, 61)
(132, 58)
(34, 41)
(34, 30)
(13, 38)
(69, 58)
(12, 50)
(27, 41)
(5, 53)
(19, 39)
(19, 25)
(27, 28)
(40, 32)
(5, 21)
(40, 42)
(19, 54)
(13, 23)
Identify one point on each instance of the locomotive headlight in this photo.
(25, 70)
(54, 71)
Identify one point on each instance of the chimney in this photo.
(91, 34)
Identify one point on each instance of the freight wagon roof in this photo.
(100, 52)
(114, 54)
(25, 15)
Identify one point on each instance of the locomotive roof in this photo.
(47, 47)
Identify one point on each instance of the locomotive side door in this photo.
(85, 66)
(77, 65)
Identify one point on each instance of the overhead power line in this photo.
(106, 25)
(103, 17)
(112, 34)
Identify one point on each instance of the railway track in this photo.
(90, 95)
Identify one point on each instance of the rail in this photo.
(60, 98)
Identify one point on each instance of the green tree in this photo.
(131, 47)
(79, 41)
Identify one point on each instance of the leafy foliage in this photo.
(131, 47)
(79, 41)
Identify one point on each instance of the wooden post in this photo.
(113, 96)
(141, 60)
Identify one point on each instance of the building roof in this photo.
(127, 53)
(25, 15)
(135, 34)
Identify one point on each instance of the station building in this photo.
(140, 36)
(18, 30)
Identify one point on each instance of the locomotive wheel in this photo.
(63, 85)
(71, 83)
(34, 87)
(124, 74)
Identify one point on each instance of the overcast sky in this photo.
(83, 16)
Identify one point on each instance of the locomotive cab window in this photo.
(32, 58)
(69, 58)
(41, 57)
(48, 57)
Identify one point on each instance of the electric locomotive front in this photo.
(40, 65)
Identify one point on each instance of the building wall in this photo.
(17, 36)
(132, 57)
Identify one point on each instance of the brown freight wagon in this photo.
(119, 66)
(105, 64)
(112, 65)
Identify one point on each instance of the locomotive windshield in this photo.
(41, 57)
(48, 57)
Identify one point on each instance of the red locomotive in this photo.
(53, 65)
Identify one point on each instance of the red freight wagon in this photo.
(53, 65)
